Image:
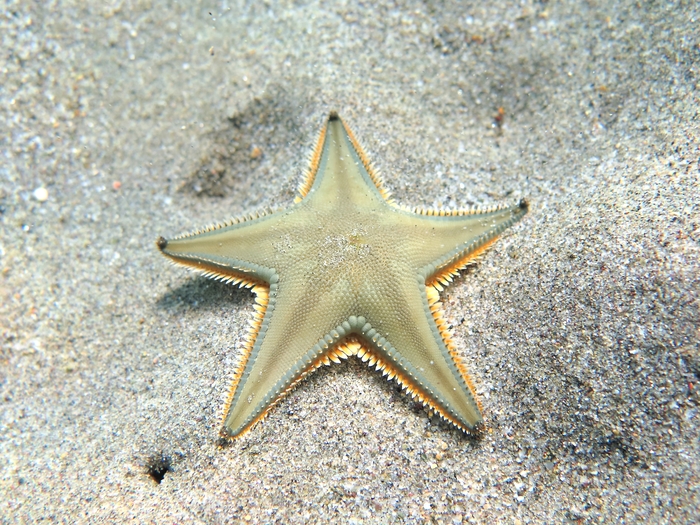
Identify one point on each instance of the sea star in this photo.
(345, 271)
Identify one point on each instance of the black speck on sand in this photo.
(143, 119)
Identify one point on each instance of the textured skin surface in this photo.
(345, 264)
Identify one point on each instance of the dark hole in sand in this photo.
(158, 467)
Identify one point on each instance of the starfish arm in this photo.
(300, 331)
(245, 250)
(402, 333)
(341, 174)
(446, 243)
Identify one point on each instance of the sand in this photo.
(123, 121)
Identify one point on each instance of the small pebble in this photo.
(41, 194)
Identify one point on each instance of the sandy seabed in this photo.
(123, 121)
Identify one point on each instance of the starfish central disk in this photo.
(345, 271)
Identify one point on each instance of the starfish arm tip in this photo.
(162, 243)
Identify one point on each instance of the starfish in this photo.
(345, 271)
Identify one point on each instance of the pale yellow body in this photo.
(346, 271)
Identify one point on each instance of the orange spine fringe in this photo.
(373, 173)
(440, 212)
(310, 174)
(262, 295)
(433, 287)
